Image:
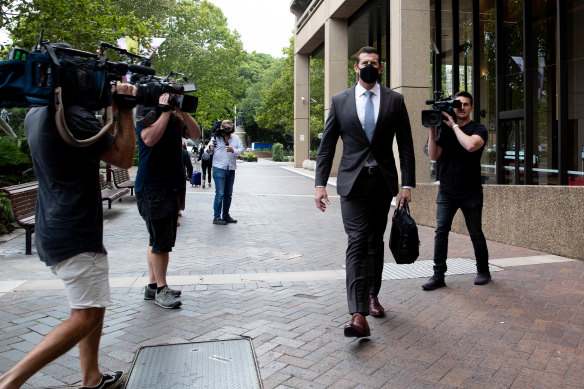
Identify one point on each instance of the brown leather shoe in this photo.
(375, 309)
(357, 327)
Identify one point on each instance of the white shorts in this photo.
(86, 279)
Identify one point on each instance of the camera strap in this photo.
(66, 133)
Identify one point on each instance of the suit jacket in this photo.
(343, 121)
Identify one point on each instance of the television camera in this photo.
(433, 117)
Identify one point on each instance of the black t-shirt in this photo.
(160, 166)
(69, 216)
(460, 170)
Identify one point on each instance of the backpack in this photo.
(404, 242)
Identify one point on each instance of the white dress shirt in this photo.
(361, 99)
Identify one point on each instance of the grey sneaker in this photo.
(165, 299)
(150, 294)
(108, 381)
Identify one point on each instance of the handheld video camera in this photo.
(218, 131)
(29, 78)
(150, 88)
(433, 117)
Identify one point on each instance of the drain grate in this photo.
(220, 364)
(423, 269)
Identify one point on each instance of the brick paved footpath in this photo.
(266, 277)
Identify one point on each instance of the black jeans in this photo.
(472, 209)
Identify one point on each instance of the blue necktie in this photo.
(369, 116)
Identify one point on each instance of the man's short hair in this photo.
(367, 50)
(464, 93)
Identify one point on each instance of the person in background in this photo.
(459, 149)
(206, 164)
(188, 170)
(159, 182)
(225, 149)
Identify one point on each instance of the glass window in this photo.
(513, 49)
(543, 77)
(575, 32)
(487, 87)
(465, 45)
(446, 53)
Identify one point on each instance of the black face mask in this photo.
(369, 74)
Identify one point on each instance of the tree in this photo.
(81, 23)
(276, 111)
(199, 44)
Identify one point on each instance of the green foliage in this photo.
(250, 157)
(200, 45)
(13, 161)
(81, 23)
(278, 152)
(276, 110)
(256, 73)
(6, 216)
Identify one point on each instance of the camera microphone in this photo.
(143, 70)
(430, 102)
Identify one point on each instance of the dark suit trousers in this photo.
(365, 212)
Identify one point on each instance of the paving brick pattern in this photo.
(524, 330)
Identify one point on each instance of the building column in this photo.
(336, 47)
(301, 108)
(410, 64)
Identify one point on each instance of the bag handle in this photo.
(66, 133)
(405, 207)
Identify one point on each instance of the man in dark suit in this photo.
(366, 116)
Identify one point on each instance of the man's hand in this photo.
(163, 99)
(406, 195)
(121, 92)
(449, 120)
(229, 149)
(321, 199)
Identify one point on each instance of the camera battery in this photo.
(18, 54)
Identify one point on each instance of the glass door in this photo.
(513, 148)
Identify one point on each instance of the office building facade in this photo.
(523, 61)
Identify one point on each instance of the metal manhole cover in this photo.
(221, 364)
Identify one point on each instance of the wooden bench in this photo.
(122, 180)
(23, 199)
(111, 194)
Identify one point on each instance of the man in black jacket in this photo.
(367, 117)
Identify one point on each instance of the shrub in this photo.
(278, 152)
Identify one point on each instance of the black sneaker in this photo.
(229, 219)
(482, 279)
(434, 283)
(219, 221)
(108, 381)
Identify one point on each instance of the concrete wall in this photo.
(545, 218)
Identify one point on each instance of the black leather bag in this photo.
(404, 242)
